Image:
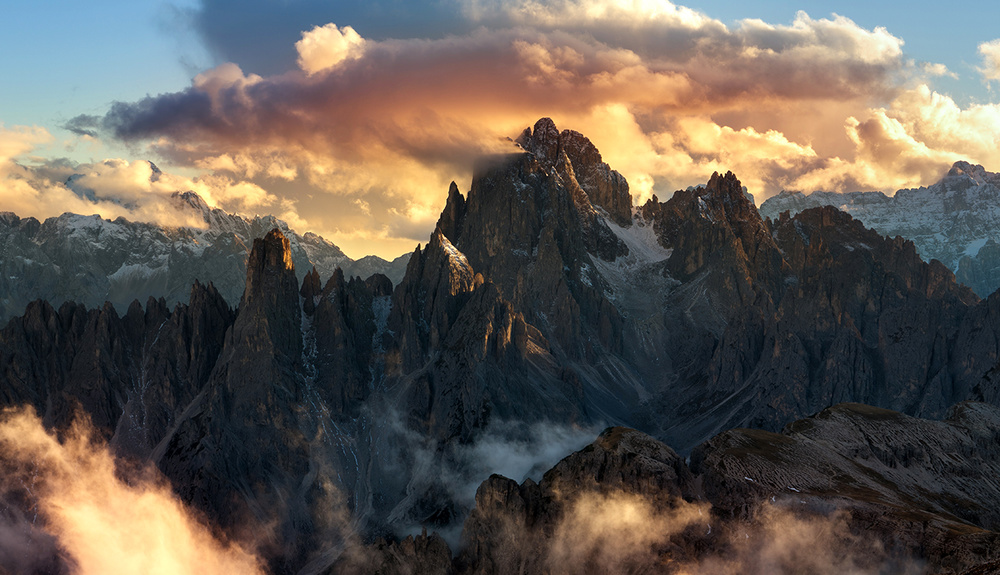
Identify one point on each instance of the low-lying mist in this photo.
(620, 533)
(68, 506)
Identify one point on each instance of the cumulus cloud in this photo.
(324, 47)
(100, 523)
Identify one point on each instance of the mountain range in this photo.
(955, 221)
(801, 374)
(91, 260)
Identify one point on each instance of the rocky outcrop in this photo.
(862, 488)
(513, 527)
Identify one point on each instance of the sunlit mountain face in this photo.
(476, 287)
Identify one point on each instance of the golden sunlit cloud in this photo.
(135, 190)
(103, 524)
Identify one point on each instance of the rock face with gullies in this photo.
(132, 375)
(243, 452)
(464, 354)
(348, 323)
(955, 221)
(867, 489)
(851, 316)
(981, 271)
(437, 284)
(529, 227)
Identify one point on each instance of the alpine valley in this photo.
(793, 394)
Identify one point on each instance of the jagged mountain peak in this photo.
(270, 270)
(273, 250)
(456, 260)
(975, 172)
(453, 216)
(576, 158)
(191, 200)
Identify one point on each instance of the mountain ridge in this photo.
(955, 220)
(92, 260)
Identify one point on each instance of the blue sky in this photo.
(358, 138)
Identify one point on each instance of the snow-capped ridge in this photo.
(951, 220)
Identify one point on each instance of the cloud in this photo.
(618, 532)
(990, 51)
(136, 190)
(101, 523)
(20, 140)
(324, 47)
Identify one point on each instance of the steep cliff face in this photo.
(529, 227)
(807, 311)
(462, 353)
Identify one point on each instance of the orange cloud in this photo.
(106, 525)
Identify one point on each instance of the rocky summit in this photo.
(342, 419)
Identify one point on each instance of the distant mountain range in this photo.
(91, 260)
(801, 392)
(955, 221)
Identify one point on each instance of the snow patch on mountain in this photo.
(637, 282)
